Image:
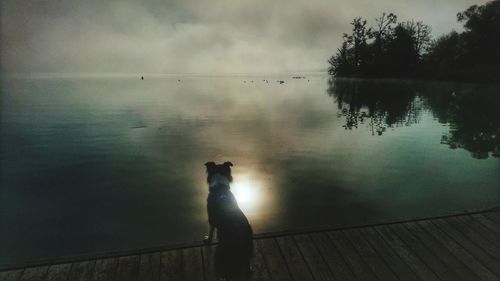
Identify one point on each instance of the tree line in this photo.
(406, 50)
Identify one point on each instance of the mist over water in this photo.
(98, 164)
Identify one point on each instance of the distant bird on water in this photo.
(142, 77)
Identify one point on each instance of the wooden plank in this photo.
(149, 268)
(483, 231)
(208, 254)
(459, 268)
(105, 269)
(34, 273)
(475, 237)
(171, 265)
(192, 266)
(398, 266)
(296, 263)
(128, 268)
(474, 250)
(458, 251)
(369, 255)
(259, 268)
(494, 216)
(319, 268)
(420, 269)
(58, 272)
(81, 271)
(11, 275)
(428, 257)
(354, 261)
(275, 263)
(226, 264)
(495, 228)
(332, 257)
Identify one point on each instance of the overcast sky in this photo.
(187, 36)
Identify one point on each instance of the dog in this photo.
(234, 233)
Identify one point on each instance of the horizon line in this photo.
(150, 74)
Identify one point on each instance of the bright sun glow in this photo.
(246, 193)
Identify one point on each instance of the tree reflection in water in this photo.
(472, 111)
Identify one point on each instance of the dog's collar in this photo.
(218, 179)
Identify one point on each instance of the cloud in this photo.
(223, 36)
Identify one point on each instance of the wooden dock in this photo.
(459, 247)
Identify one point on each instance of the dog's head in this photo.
(223, 170)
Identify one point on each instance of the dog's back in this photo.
(233, 230)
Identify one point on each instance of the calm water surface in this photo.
(93, 165)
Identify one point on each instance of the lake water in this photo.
(100, 164)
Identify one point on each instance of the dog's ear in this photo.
(210, 165)
(229, 164)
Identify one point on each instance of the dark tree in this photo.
(359, 38)
(384, 27)
(382, 36)
(406, 49)
(351, 57)
(473, 54)
(421, 34)
(387, 50)
(340, 64)
(401, 52)
(443, 58)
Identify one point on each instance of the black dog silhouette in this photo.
(234, 233)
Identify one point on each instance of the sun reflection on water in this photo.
(247, 193)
